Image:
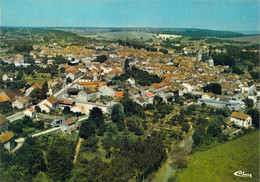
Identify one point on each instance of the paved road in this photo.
(15, 116)
(20, 141)
(235, 132)
(66, 87)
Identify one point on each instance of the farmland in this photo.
(220, 163)
(253, 39)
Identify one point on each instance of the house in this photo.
(72, 73)
(70, 125)
(240, 119)
(3, 123)
(31, 112)
(229, 124)
(7, 77)
(30, 89)
(140, 100)
(149, 97)
(88, 94)
(13, 95)
(133, 92)
(22, 103)
(7, 140)
(49, 103)
(106, 91)
(55, 86)
(131, 81)
(208, 96)
(3, 98)
(119, 94)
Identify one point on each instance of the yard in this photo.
(221, 162)
(38, 78)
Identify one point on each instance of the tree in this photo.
(66, 110)
(45, 89)
(27, 121)
(62, 70)
(59, 160)
(68, 80)
(39, 124)
(96, 116)
(126, 66)
(101, 59)
(38, 109)
(86, 130)
(185, 127)
(254, 113)
(214, 129)
(198, 136)
(117, 114)
(213, 87)
(248, 102)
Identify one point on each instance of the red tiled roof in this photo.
(119, 94)
(149, 94)
(52, 100)
(6, 137)
(239, 115)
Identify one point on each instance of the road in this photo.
(66, 87)
(235, 132)
(20, 141)
(15, 116)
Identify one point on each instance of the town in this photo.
(168, 84)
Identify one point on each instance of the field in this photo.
(221, 162)
(38, 78)
(254, 39)
(124, 35)
(111, 35)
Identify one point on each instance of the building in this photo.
(22, 103)
(3, 123)
(30, 112)
(240, 119)
(7, 140)
(49, 103)
(70, 125)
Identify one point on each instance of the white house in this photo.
(149, 97)
(106, 91)
(70, 125)
(30, 112)
(241, 119)
(7, 77)
(22, 103)
(88, 94)
(49, 103)
(7, 140)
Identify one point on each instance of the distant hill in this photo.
(191, 32)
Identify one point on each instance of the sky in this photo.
(240, 15)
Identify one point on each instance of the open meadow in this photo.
(221, 162)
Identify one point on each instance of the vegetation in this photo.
(213, 87)
(223, 160)
(141, 77)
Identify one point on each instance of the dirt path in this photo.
(77, 150)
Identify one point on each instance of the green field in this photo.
(220, 163)
(39, 78)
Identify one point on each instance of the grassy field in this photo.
(220, 163)
(254, 39)
(120, 35)
(39, 78)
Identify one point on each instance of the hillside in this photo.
(147, 33)
(220, 163)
